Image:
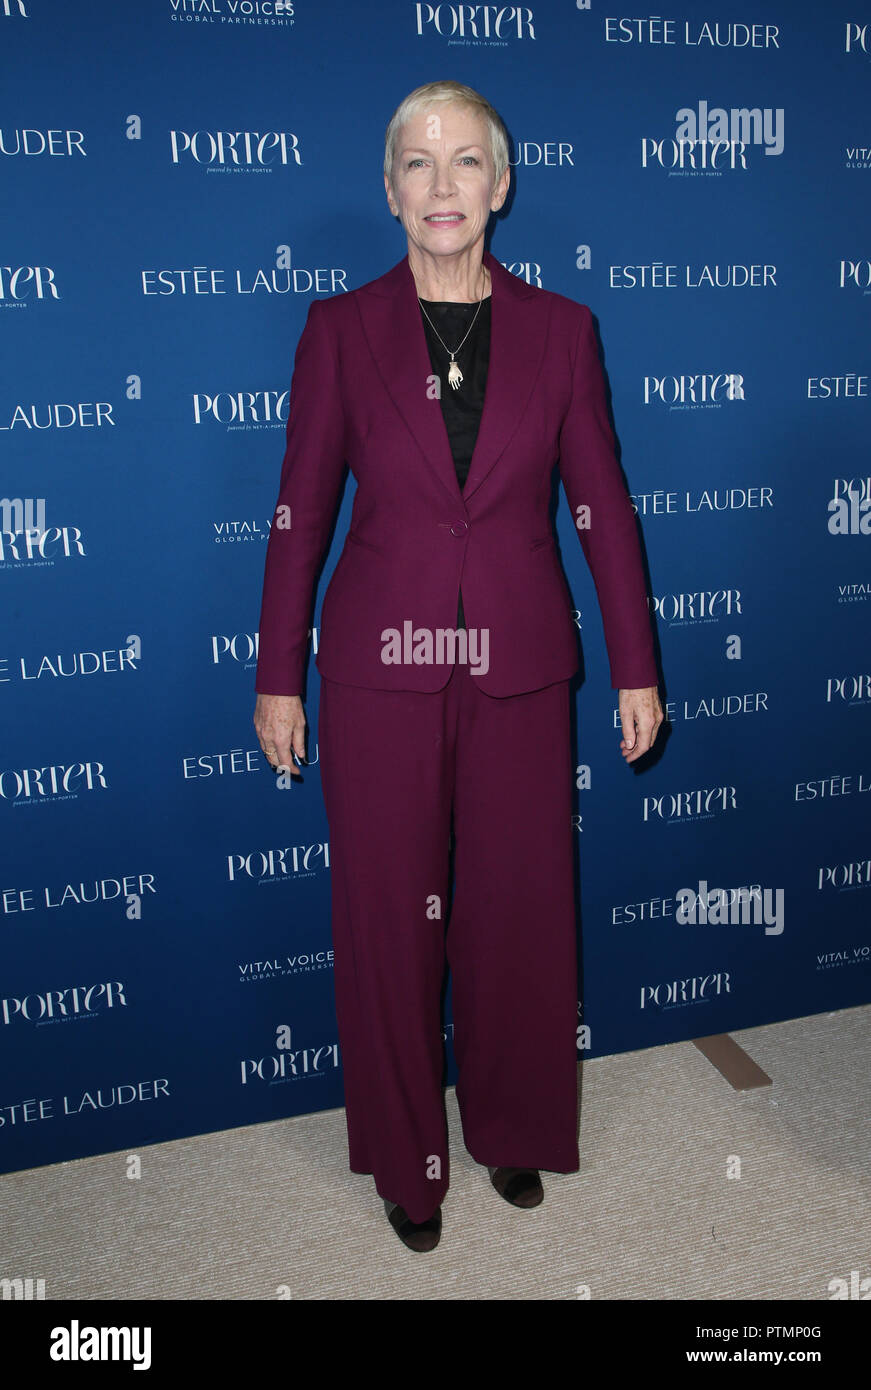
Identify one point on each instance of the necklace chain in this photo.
(455, 376)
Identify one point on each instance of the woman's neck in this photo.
(457, 287)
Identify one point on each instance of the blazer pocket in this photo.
(365, 544)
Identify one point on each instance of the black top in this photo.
(461, 408)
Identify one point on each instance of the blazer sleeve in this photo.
(591, 477)
(311, 475)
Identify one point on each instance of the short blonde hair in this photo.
(447, 91)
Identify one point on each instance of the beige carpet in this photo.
(652, 1214)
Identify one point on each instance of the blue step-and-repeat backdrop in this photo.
(180, 178)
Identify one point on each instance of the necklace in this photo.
(455, 376)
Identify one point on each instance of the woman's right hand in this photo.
(280, 724)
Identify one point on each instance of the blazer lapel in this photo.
(392, 323)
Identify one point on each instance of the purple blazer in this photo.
(361, 393)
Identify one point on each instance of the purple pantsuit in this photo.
(392, 763)
(404, 744)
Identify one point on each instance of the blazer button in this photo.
(459, 528)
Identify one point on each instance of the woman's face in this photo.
(443, 179)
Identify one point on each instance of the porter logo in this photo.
(698, 989)
(701, 804)
(56, 1004)
(241, 408)
(242, 148)
(703, 388)
(858, 38)
(19, 282)
(472, 23)
(856, 273)
(35, 783)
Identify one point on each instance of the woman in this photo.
(452, 389)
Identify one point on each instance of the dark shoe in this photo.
(417, 1235)
(519, 1186)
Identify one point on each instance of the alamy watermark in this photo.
(23, 514)
(424, 646)
(731, 907)
(740, 125)
(21, 1290)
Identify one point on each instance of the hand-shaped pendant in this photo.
(455, 376)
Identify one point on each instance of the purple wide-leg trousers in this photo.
(395, 767)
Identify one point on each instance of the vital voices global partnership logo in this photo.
(858, 591)
(234, 14)
(857, 157)
(239, 531)
(846, 956)
(274, 968)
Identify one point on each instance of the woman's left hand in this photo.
(640, 716)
